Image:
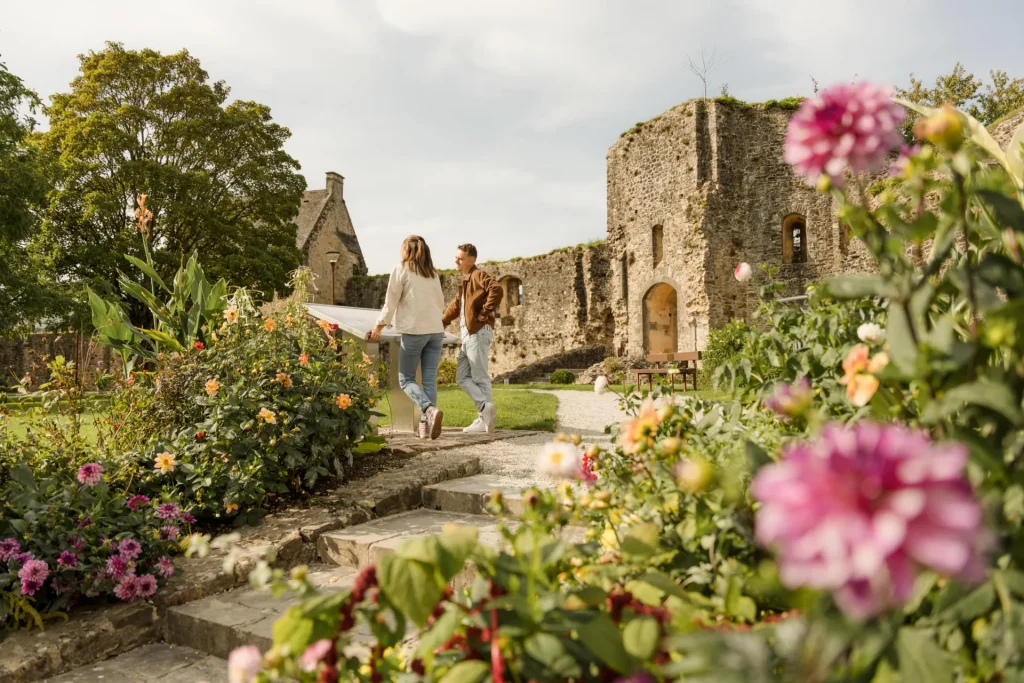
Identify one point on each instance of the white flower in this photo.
(244, 664)
(743, 272)
(601, 385)
(871, 333)
(559, 459)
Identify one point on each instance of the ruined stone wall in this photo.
(21, 357)
(692, 193)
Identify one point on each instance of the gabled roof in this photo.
(313, 203)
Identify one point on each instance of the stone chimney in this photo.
(336, 185)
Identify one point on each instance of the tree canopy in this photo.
(218, 179)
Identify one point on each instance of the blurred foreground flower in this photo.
(791, 400)
(861, 511)
(854, 125)
(871, 333)
(559, 459)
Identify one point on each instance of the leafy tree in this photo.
(23, 186)
(218, 178)
(964, 91)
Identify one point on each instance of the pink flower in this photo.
(90, 474)
(743, 272)
(135, 502)
(165, 567)
(85, 522)
(168, 511)
(129, 548)
(860, 511)
(67, 559)
(187, 518)
(146, 584)
(847, 124)
(901, 166)
(128, 588)
(9, 547)
(244, 664)
(32, 574)
(314, 654)
(116, 567)
(790, 400)
(169, 532)
(587, 474)
(76, 543)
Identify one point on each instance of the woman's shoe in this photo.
(434, 419)
(422, 431)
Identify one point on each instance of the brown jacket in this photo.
(483, 294)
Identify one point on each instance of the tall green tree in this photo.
(218, 179)
(24, 294)
(1001, 96)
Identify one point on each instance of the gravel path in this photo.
(579, 412)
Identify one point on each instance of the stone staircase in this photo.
(207, 630)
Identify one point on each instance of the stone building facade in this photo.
(324, 226)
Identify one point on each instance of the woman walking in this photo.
(416, 302)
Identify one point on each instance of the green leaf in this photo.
(148, 270)
(1008, 212)
(641, 637)
(971, 606)
(549, 651)
(663, 583)
(921, 659)
(902, 348)
(23, 475)
(161, 337)
(438, 634)
(602, 637)
(999, 270)
(856, 286)
(473, 671)
(985, 392)
(410, 585)
(757, 457)
(641, 539)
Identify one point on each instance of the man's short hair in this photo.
(467, 249)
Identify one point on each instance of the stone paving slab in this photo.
(451, 437)
(154, 662)
(470, 495)
(245, 616)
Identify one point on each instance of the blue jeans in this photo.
(473, 374)
(417, 349)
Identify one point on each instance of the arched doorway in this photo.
(661, 331)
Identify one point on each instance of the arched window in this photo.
(658, 243)
(794, 239)
(513, 287)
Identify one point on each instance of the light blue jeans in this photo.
(424, 351)
(473, 374)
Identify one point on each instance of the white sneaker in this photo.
(477, 427)
(434, 419)
(422, 431)
(489, 415)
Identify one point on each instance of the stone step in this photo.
(470, 495)
(245, 616)
(365, 544)
(156, 662)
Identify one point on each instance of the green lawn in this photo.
(18, 425)
(517, 408)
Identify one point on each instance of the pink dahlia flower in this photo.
(244, 664)
(169, 532)
(128, 588)
(135, 502)
(314, 654)
(9, 547)
(790, 400)
(129, 548)
(90, 474)
(847, 124)
(146, 584)
(861, 510)
(165, 567)
(168, 511)
(187, 518)
(67, 559)
(32, 574)
(116, 567)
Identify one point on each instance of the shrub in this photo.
(268, 408)
(562, 377)
(724, 343)
(446, 371)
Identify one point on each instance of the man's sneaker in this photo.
(478, 427)
(489, 415)
(422, 430)
(434, 419)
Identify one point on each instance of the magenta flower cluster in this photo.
(860, 511)
(854, 125)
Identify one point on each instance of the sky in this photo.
(488, 121)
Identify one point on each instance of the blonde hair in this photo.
(416, 256)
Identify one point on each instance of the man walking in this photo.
(474, 306)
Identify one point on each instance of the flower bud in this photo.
(299, 573)
(693, 474)
(671, 445)
(531, 498)
(944, 129)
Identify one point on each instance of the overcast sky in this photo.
(488, 121)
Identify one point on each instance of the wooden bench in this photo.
(687, 361)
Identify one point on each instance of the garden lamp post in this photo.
(333, 257)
